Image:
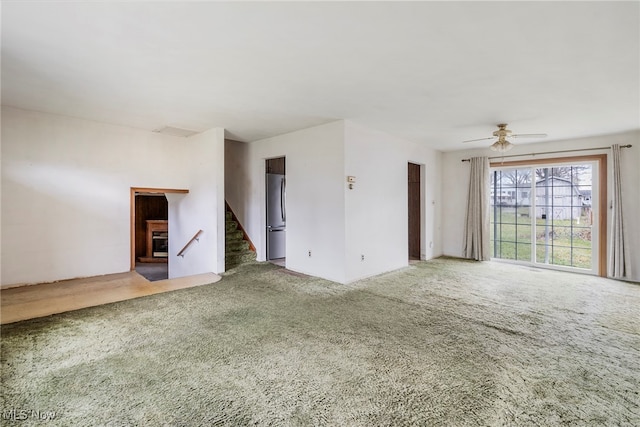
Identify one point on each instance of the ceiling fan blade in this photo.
(481, 139)
(529, 135)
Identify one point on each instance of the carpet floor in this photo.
(442, 342)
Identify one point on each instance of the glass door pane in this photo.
(564, 216)
(511, 214)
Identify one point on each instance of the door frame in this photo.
(267, 170)
(132, 193)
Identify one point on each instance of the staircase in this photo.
(237, 250)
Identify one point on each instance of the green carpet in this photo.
(443, 342)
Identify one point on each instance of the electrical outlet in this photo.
(309, 253)
(361, 257)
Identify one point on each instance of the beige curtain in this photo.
(617, 266)
(476, 230)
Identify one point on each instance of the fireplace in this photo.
(160, 243)
(157, 241)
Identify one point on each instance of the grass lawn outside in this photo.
(568, 242)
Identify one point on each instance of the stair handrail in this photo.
(194, 238)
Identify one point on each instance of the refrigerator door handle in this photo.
(283, 195)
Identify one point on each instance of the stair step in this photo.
(240, 246)
(231, 236)
(233, 260)
(241, 251)
(236, 245)
(231, 225)
(236, 248)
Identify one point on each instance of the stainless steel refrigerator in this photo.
(276, 215)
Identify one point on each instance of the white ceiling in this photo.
(436, 73)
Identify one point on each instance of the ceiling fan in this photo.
(502, 133)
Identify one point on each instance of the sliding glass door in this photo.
(544, 214)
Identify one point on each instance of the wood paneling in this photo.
(147, 208)
(413, 185)
(276, 166)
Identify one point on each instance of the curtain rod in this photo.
(552, 152)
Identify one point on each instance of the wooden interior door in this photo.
(413, 185)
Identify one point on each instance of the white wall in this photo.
(376, 208)
(199, 209)
(237, 182)
(455, 176)
(66, 191)
(315, 201)
(336, 224)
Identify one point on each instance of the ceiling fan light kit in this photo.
(501, 146)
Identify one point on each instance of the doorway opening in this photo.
(550, 213)
(414, 211)
(150, 232)
(276, 210)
